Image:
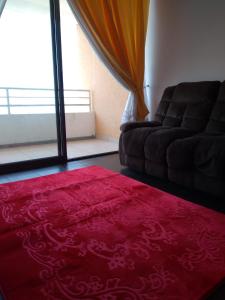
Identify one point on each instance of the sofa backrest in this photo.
(188, 105)
(164, 104)
(217, 118)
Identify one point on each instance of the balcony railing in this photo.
(14, 101)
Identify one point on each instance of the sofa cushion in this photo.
(191, 105)
(156, 144)
(164, 104)
(217, 118)
(198, 162)
(209, 156)
(174, 115)
(196, 115)
(181, 152)
(195, 92)
(134, 140)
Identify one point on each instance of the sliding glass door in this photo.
(31, 118)
(34, 129)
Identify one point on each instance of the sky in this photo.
(25, 46)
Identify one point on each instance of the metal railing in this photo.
(41, 101)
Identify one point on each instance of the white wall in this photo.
(35, 128)
(186, 42)
(80, 125)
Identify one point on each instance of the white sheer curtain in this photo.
(129, 112)
(2, 5)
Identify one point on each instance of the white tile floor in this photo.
(76, 149)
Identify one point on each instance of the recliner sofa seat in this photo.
(186, 141)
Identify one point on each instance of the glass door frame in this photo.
(59, 102)
(58, 78)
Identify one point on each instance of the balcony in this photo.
(29, 121)
(94, 100)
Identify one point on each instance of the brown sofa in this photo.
(186, 141)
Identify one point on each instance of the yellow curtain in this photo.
(118, 28)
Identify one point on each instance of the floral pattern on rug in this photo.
(94, 234)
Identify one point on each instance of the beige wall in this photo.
(186, 43)
(109, 99)
(108, 96)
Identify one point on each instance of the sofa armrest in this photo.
(132, 125)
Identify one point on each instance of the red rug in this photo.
(95, 234)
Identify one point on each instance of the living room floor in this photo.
(75, 148)
(112, 162)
